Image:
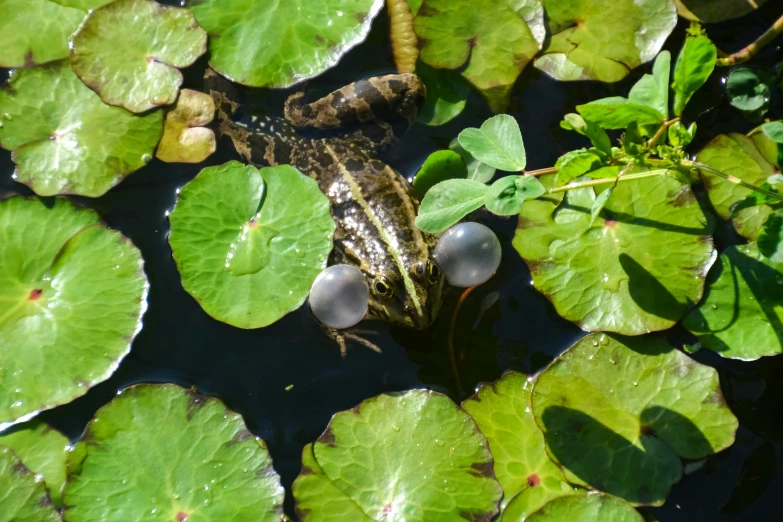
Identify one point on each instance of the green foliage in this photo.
(576, 163)
(652, 90)
(448, 202)
(619, 113)
(128, 52)
(300, 39)
(498, 143)
(477, 171)
(774, 131)
(185, 139)
(65, 140)
(770, 238)
(749, 90)
(596, 134)
(72, 294)
(507, 195)
(711, 11)
(589, 507)
(23, 497)
(694, 65)
(163, 452)
(246, 249)
(421, 442)
(439, 166)
(447, 95)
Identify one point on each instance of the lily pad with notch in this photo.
(24, 496)
(185, 139)
(249, 243)
(42, 450)
(603, 39)
(636, 267)
(590, 507)
(741, 316)
(64, 139)
(128, 51)
(292, 41)
(619, 413)
(161, 451)
(33, 32)
(528, 477)
(72, 294)
(413, 455)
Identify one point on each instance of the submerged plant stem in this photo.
(607, 181)
(745, 54)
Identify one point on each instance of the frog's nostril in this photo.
(408, 308)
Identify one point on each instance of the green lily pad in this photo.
(23, 497)
(637, 268)
(33, 32)
(591, 507)
(72, 294)
(490, 46)
(403, 456)
(128, 51)
(292, 41)
(64, 139)
(248, 244)
(618, 414)
(163, 452)
(43, 451)
(528, 477)
(603, 39)
(712, 11)
(185, 139)
(742, 157)
(741, 316)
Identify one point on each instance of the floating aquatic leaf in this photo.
(618, 414)
(291, 41)
(498, 143)
(490, 46)
(128, 51)
(477, 171)
(64, 139)
(695, 64)
(770, 238)
(619, 113)
(590, 507)
(448, 202)
(636, 269)
(160, 451)
(72, 294)
(507, 195)
(741, 316)
(712, 11)
(773, 130)
(603, 39)
(185, 139)
(742, 157)
(33, 32)
(439, 166)
(528, 477)
(447, 94)
(412, 456)
(42, 450)
(23, 497)
(248, 244)
(749, 89)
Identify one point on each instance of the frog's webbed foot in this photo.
(341, 337)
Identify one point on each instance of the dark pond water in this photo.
(502, 325)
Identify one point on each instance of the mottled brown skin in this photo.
(334, 140)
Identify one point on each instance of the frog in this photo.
(335, 140)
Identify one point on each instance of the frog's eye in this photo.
(382, 287)
(433, 272)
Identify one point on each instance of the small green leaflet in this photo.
(749, 90)
(653, 90)
(774, 131)
(576, 163)
(694, 65)
(477, 171)
(597, 136)
(507, 195)
(618, 113)
(498, 143)
(439, 166)
(600, 203)
(448, 202)
(770, 239)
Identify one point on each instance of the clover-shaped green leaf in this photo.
(741, 316)
(618, 414)
(449, 201)
(33, 32)
(590, 507)
(185, 139)
(603, 39)
(528, 477)
(291, 41)
(248, 244)
(72, 294)
(163, 452)
(497, 143)
(42, 450)
(403, 456)
(636, 268)
(22, 496)
(64, 139)
(128, 52)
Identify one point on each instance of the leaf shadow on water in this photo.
(649, 293)
(609, 462)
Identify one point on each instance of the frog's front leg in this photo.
(374, 112)
(341, 337)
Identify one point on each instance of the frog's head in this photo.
(407, 92)
(411, 298)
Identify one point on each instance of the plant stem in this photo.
(606, 181)
(541, 172)
(665, 125)
(732, 179)
(743, 55)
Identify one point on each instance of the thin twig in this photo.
(541, 172)
(665, 125)
(732, 179)
(606, 181)
(743, 55)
